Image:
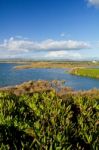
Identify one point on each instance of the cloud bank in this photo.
(94, 2)
(70, 55)
(22, 45)
(47, 49)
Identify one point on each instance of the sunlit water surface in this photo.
(10, 76)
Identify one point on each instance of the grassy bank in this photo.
(56, 64)
(86, 72)
(45, 119)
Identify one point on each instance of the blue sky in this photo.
(49, 29)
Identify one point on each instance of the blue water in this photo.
(10, 76)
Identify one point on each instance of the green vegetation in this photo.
(48, 120)
(86, 72)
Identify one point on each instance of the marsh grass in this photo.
(86, 72)
(57, 64)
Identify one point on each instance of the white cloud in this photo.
(47, 49)
(25, 45)
(94, 2)
(64, 55)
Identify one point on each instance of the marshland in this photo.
(49, 74)
(86, 72)
(47, 114)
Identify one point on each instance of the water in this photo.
(10, 76)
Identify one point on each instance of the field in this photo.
(86, 72)
(57, 64)
(46, 119)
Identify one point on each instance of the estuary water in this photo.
(10, 76)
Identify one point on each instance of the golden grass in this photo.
(46, 64)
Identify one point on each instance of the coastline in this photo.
(44, 86)
(58, 64)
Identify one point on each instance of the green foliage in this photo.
(46, 121)
(86, 72)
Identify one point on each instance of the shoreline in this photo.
(64, 65)
(86, 72)
(50, 64)
(33, 86)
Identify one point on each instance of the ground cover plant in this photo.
(49, 120)
(86, 72)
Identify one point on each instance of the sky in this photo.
(49, 29)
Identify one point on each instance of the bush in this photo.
(47, 121)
